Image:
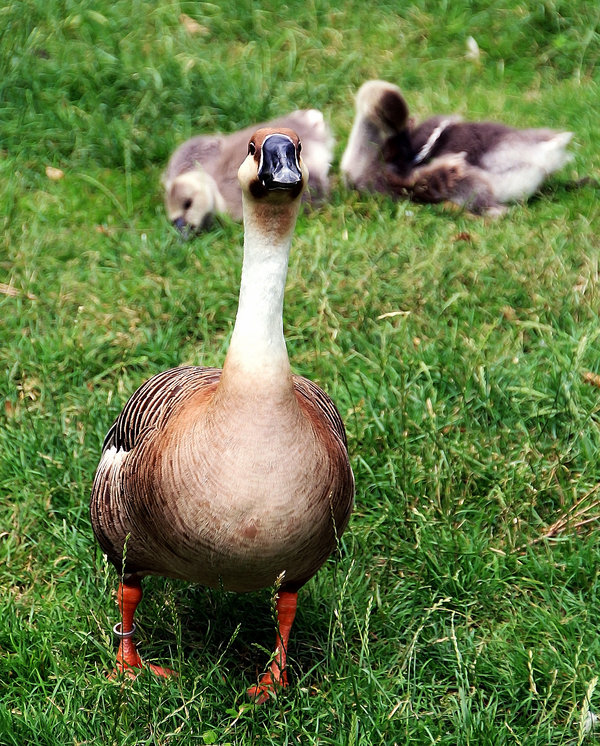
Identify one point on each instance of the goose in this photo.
(200, 179)
(480, 165)
(236, 478)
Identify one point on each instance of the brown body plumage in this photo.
(240, 477)
(223, 488)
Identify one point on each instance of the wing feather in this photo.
(315, 394)
(154, 402)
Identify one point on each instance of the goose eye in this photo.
(251, 148)
(187, 204)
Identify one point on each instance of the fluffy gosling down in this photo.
(201, 177)
(479, 165)
(236, 478)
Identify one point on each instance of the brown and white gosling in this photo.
(481, 165)
(236, 478)
(201, 176)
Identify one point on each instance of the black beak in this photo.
(183, 227)
(279, 168)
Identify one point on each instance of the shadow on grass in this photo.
(203, 629)
(554, 189)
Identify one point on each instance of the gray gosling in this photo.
(201, 176)
(478, 165)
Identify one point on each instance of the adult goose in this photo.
(481, 165)
(236, 478)
(201, 176)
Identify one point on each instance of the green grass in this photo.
(459, 611)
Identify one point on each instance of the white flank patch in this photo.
(112, 457)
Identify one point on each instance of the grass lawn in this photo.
(463, 354)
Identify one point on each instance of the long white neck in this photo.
(257, 347)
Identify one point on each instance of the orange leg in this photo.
(128, 597)
(276, 676)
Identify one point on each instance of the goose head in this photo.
(273, 174)
(382, 104)
(191, 201)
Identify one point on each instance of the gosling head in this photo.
(273, 171)
(382, 104)
(190, 201)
